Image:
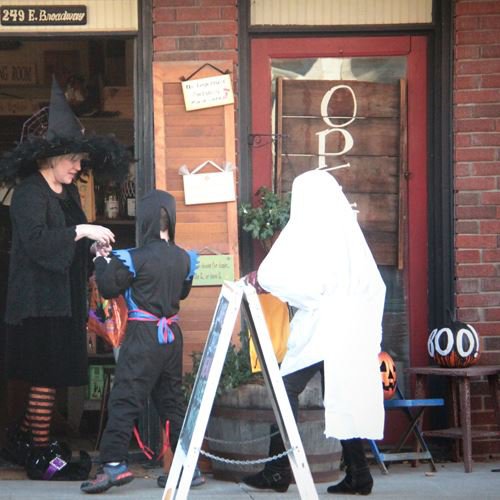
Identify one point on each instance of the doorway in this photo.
(97, 77)
(378, 154)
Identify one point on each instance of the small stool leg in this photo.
(493, 385)
(466, 421)
(455, 417)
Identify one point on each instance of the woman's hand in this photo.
(100, 234)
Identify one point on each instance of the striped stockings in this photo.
(38, 414)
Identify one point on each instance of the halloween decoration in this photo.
(107, 317)
(388, 373)
(454, 346)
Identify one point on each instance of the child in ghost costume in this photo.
(322, 266)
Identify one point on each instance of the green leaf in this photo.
(270, 216)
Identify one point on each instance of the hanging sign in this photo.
(47, 15)
(209, 187)
(207, 92)
(214, 270)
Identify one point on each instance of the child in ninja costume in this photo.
(154, 278)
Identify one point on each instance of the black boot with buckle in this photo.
(276, 475)
(358, 479)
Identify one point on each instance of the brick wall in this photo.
(477, 185)
(191, 30)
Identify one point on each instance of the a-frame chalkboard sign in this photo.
(233, 297)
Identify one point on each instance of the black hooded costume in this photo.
(154, 278)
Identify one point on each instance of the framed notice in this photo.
(207, 92)
(232, 296)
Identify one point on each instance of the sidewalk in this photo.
(403, 482)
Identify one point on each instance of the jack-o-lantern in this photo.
(388, 373)
(454, 346)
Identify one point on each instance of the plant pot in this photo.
(241, 418)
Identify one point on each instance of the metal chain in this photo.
(255, 440)
(245, 462)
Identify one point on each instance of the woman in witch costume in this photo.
(46, 307)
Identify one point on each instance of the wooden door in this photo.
(399, 155)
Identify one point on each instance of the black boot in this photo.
(276, 475)
(266, 479)
(18, 447)
(358, 479)
(52, 463)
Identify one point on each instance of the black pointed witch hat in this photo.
(56, 131)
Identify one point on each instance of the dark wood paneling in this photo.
(366, 174)
(372, 137)
(369, 116)
(377, 100)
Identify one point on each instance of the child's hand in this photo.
(103, 250)
(100, 249)
(251, 279)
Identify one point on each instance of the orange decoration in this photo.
(107, 317)
(388, 373)
(454, 346)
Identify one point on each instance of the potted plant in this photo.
(242, 413)
(236, 370)
(265, 221)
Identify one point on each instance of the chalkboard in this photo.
(207, 379)
(203, 394)
(203, 373)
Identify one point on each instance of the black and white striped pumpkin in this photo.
(454, 346)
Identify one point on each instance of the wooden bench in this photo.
(459, 379)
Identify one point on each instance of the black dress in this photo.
(52, 351)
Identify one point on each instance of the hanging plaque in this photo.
(207, 92)
(214, 270)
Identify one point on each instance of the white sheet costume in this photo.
(322, 265)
